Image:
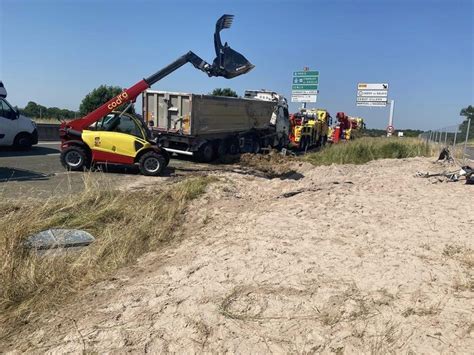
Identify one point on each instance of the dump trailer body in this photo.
(196, 115)
(185, 122)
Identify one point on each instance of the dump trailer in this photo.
(210, 126)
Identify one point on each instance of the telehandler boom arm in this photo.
(228, 64)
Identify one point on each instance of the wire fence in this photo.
(458, 138)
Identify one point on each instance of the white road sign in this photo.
(365, 93)
(372, 99)
(305, 92)
(372, 94)
(303, 98)
(365, 86)
(372, 104)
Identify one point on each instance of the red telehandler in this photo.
(108, 136)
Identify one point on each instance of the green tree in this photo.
(31, 110)
(467, 112)
(100, 96)
(224, 92)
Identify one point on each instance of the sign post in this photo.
(304, 86)
(390, 118)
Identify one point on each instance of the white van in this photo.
(15, 129)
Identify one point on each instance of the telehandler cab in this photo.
(108, 136)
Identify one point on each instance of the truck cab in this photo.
(15, 129)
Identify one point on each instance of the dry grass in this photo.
(126, 224)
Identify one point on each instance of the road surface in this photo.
(38, 172)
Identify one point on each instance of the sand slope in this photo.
(362, 259)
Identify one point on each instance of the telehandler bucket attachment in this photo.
(228, 62)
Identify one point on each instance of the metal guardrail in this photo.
(48, 131)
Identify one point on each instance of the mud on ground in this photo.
(364, 258)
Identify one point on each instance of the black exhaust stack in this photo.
(228, 62)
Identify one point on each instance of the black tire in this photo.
(256, 145)
(206, 153)
(166, 155)
(303, 143)
(324, 140)
(152, 163)
(75, 158)
(233, 147)
(23, 141)
(221, 149)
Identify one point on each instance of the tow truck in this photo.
(309, 128)
(344, 126)
(113, 137)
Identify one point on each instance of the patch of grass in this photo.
(363, 150)
(126, 224)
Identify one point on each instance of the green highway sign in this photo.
(305, 80)
(304, 87)
(306, 73)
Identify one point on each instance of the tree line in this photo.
(34, 110)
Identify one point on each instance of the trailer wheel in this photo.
(75, 158)
(256, 145)
(206, 153)
(233, 147)
(152, 163)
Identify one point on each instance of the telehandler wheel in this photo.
(75, 159)
(152, 163)
(167, 157)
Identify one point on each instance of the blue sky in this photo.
(54, 52)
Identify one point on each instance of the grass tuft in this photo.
(365, 149)
(126, 224)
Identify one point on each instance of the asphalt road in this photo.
(39, 173)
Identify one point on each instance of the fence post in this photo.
(467, 136)
(455, 136)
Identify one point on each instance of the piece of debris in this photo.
(445, 155)
(452, 176)
(59, 238)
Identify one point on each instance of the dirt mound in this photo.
(273, 165)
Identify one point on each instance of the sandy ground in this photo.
(344, 259)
